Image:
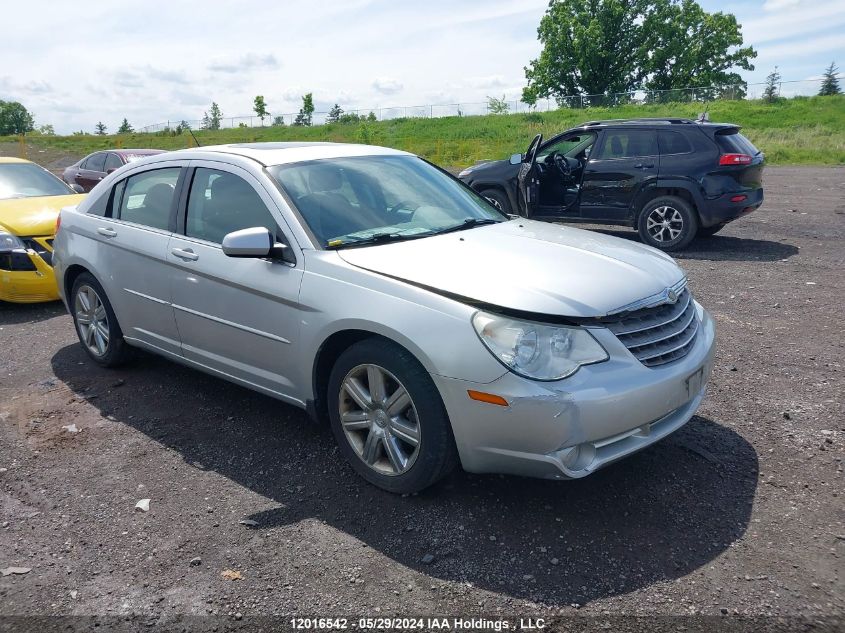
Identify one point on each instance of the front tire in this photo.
(668, 223)
(96, 323)
(388, 418)
(497, 198)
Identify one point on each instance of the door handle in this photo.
(185, 253)
(643, 165)
(106, 232)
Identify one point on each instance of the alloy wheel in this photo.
(379, 419)
(664, 223)
(92, 321)
(496, 204)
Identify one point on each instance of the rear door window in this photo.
(732, 142)
(147, 198)
(97, 162)
(673, 143)
(628, 144)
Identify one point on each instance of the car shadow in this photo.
(654, 517)
(719, 247)
(16, 313)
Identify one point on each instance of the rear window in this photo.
(732, 142)
(673, 143)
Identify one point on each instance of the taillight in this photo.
(58, 222)
(735, 159)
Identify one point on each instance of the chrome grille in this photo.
(657, 335)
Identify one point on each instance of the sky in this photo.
(75, 63)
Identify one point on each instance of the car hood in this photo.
(34, 216)
(528, 266)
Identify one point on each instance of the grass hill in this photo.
(800, 130)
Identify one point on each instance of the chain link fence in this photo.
(676, 95)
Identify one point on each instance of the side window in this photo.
(220, 202)
(113, 162)
(673, 143)
(628, 144)
(148, 197)
(96, 162)
(100, 206)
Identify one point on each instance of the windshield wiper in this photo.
(380, 238)
(469, 223)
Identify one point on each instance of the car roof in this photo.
(291, 152)
(657, 121)
(137, 152)
(12, 159)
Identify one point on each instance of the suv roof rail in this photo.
(643, 121)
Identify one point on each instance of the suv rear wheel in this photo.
(668, 223)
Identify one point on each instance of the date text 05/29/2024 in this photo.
(420, 624)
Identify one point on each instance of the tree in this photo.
(278, 121)
(334, 114)
(125, 127)
(101, 128)
(46, 130)
(306, 112)
(597, 47)
(497, 106)
(683, 46)
(771, 92)
(830, 84)
(183, 126)
(371, 117)
(205, 122)
(260, 109)
(14, 118)
(213, 117)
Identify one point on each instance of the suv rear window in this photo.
(732, 142)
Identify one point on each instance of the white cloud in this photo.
(244, 63)
(777, 5)
(387, 85)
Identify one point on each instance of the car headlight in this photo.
(535, 350)
(466, 172)
(9, 242)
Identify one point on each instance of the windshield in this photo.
(25, 180)
(365, 198)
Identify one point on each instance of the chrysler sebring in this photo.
(378, 292)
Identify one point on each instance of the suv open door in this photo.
(528, 178)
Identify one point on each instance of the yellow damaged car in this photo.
(30, 200)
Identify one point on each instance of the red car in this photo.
(93, 168)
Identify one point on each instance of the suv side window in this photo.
(113, 162)
(96, 162)
(628, 144)
(673, 143)
(148, 197)
(220, 202)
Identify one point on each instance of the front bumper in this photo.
(572, 427)
(29, 286)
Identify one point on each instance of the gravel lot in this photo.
(739, 513)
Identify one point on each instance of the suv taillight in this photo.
(735, 159)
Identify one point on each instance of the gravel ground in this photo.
(738, 514)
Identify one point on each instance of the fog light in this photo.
(578, 457)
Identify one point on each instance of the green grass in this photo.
(801, 130)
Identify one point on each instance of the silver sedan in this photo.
(380, 294)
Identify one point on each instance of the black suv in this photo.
(671, 179)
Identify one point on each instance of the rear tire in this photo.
(388, 418)
(669, 223)
(96, 324)
(498, 199)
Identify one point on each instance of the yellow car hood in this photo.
(34, 216)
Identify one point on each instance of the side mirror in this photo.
(516, 159)
(77, 188)
(255, 242)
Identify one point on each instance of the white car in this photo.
(377, 291)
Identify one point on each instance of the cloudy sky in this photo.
(74, 63)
